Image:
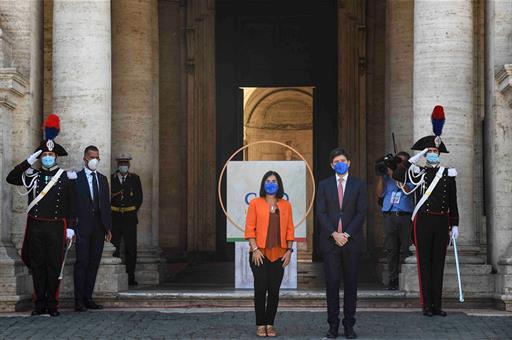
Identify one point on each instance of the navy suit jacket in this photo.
(84, 205)
(353, 211)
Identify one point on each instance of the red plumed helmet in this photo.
(438, 113)
(53, 121)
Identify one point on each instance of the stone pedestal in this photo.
(475, 275)
(504, 283)
(243, 274)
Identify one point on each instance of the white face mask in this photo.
(93, 164)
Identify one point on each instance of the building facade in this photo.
(163, 79)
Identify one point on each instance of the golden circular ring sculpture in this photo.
(252, 144)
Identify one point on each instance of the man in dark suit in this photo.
(341, 211)
(93, 228)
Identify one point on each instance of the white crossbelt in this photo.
(427, 193)
(45, 190)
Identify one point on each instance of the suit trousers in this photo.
(88, 256)
(431, 233)
(46, 243)
(267, 281)
(397, 238)
(124, 228)
(344, 259)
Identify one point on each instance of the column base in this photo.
(504, 284)
(476, 277)
(150, 268)
(111, 276)
(15, 282)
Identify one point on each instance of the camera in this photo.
(389, 161)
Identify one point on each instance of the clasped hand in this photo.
(340, 239)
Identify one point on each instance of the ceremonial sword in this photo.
(68, 246)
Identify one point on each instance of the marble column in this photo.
(135, 116)
(498, 129)
(14, 279)
(444, 73)
(399, 73)
(22, 21)
(82, 97)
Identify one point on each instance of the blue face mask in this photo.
(432, 158)
(271, 188)
(341, 168)
(48, 161)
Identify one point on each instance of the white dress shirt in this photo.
(88, 174)
(345, 177)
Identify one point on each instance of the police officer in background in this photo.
(397, 209)
(126, 201)
(50, 217)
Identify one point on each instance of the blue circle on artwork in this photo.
(247, 200)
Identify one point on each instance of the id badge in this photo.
(395, 197)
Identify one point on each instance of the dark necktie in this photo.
(95, 192)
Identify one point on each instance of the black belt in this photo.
(397, 213)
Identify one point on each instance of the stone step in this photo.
(228, 297)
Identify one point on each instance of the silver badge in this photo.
(50, 145)
(437, 141)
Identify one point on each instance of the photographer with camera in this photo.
(397, 208)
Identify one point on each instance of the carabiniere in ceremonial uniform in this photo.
(436, 215)
(126, 200)
(49, 215)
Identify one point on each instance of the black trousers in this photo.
(431, 238)
(124, 228)
(336, 260)
(89, 248)
(46, 243)
(267, 281)
(396, 241)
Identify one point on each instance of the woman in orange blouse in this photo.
(270, 231)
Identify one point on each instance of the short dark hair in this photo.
(338, 152)
(280, 190)
(404, 154)
(90, 148)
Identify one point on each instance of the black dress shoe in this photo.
(53, 312)
(37, 312)
(80, 308)
(132, 282)
(332, 333)
(439, 311)
(349, 332)
(428, 312)
(93, 305)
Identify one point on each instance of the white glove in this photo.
(33, 157)
(455, 232)
(414, 159)
(70, 233)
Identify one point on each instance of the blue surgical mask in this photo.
(271, 188)
(123, 169)
(48, 161)
(341, 168)
(432, 158)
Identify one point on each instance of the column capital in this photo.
(504, 79)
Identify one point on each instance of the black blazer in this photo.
(353, 212)
(84, 204)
